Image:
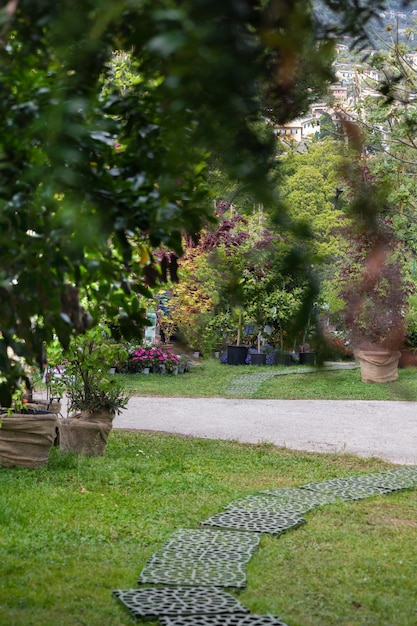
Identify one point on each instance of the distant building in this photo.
(299, 129)
(339, 92)
(345, 73)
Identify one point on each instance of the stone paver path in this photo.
(246, 385)
(193, 565)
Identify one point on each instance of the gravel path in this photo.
(366, 428)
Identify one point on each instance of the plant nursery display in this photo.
(154, 359)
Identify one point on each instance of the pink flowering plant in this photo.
(143, 357)
(168, 358)
(155, 357)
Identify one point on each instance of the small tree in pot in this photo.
(94, 395)
(374, 288)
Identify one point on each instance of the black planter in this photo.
(307, 358)
(258, 359)
(236, 355)
(283, 358)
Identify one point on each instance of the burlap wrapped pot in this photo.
(25, 440)
(85, 433)
(378, 366)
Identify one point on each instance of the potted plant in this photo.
(306, 355)
(27, 431)
(409, 348)
(257, 356)
(281, 308)
(184, 364)
(141, 360)
(94, 394)
(156, 358)
(171, 361)
(26, 437)
(236, 352)
(375, 293)
(256, 313)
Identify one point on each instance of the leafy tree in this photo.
(328, 127)
(87, 173)
(234, 276)
(313, 192)
(389, 122)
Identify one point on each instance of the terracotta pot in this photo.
(378, 366)
(25, 440)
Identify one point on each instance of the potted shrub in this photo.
(408, 351)
(27, 431)
(305, 355)
(94, 395)
(258, 357)
(255, 311)
(283, 355)
(409, 348)
(237, 353)
(26, 437)
(375, 293)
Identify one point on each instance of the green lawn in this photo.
(79, 528)
(211, 378)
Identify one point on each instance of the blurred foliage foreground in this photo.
(99, 168)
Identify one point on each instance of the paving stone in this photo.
(202, 557)
(222, 620)
(366, 485)
(285, 500)
(401, 478)
(216, 556)
(179, 601)
(246, 385)
(256, 521)
(295, 494)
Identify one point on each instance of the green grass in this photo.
(207, 378)
(211, 378)
(77, 529)
(73, 531)
(339, 385)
